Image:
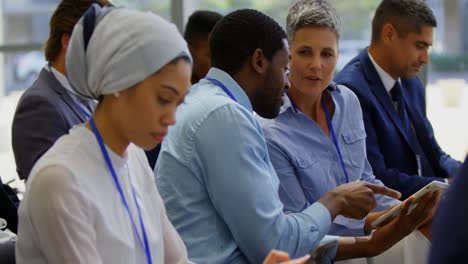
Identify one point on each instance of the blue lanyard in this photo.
(335, 141)
(222, 86)
(145, 247)
(85, 112)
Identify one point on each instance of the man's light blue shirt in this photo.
(219, 186)
(307, 162)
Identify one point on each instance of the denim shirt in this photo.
(306, 159)
(219, 186)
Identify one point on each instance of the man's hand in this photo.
(355, 200)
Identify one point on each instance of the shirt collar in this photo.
(386, 79)
(288, 103)
(62, 79)
(118, 162)
(231, 85)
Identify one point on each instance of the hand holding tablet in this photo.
(395, 211)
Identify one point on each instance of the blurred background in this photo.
(24, 29)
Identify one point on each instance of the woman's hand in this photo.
(405, 223)
(276, 256)
(371, 217)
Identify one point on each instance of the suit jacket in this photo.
(391, 149)
(45, 112)
(450, 233)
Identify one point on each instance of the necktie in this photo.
(423, 165)
(397, 97)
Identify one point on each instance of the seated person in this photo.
(318, 140)
(50, 108)
(197, 33)
(214, 172)
(400, 142)
(91, 198)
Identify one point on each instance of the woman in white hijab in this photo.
(91, 198)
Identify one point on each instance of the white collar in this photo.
(62, 79)
(386, 79)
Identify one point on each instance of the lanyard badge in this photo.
(335, 141)
(143, 241)
(222, 86)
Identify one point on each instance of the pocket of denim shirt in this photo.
(355, 145)
(312, 177)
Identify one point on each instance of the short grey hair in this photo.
(312, 13)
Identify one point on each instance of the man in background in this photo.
(197, 33)
(401, 145)
(50, 107)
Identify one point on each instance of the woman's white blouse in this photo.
(73, 213)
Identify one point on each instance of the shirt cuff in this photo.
(343, 226)
(328, 247)
(322, 217)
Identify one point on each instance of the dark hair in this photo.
(237, 35)
(200, 24)
(63, 20)
(405, 15)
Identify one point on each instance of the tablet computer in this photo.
(395, 211)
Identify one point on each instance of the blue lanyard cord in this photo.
(85, 112)
(222, 86)
(143, 230)
(145, 247)
(294, 106)
(335, 141)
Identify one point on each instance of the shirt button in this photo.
(301, 163)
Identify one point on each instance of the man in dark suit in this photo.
(400, 140)
(49, 108)
(450, 232)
